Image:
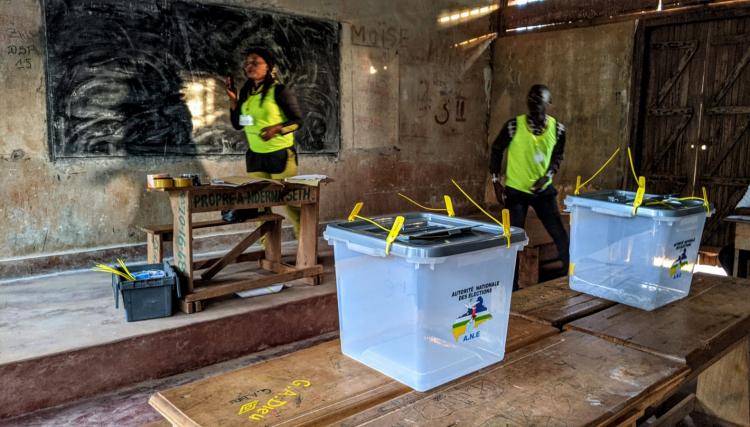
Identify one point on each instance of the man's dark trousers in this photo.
(545, 206)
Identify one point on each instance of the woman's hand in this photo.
(270, 131)
(231, 91)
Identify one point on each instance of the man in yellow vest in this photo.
(535, 144)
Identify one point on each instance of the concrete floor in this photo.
(54, 314)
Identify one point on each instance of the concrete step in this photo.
(63, 340)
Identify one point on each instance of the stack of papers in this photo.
(239, 181)
(313, 180)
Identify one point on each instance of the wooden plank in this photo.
(314, 386)
(233, 253)
(273, 241)
(183, 237)
(554, 303)
(742, 235)
(276, 267)
(723, 390)
(693, 330)
(567, 379)
(154, 248)
(221, 288)
(675, 414)
(211, 198)
(528, 267)
(307, 246)
(166, 229)
(248, 256)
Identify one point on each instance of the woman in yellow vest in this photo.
(535, 144)
(268, 112)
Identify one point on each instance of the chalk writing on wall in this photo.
(457, 106)
(19, 47)
(382, 36)
(129, 77)
(21, 55)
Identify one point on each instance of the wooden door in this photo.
(693, 126)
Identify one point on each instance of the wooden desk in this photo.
(318, 385)
(567, 379)
(707, 331)
(741, 239)
(554, 303)
(208, 198)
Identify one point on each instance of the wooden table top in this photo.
(316, 385)
(566, 379)
(694, 330)
(554, 303)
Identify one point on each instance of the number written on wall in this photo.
(23, 53)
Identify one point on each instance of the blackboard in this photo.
(144, 77)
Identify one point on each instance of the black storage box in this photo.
(150, 298)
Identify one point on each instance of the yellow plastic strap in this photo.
(398, 224)
(355, 211)
(639, 194)
(449, 205)
(632, 167)
(571, 268)
(107, 269)
(658, 202)
(578, 185)
(475, 203)
(705, 201)
(506, 226)
(506, 214)
(355, 215)
(432, 209)
(125, 268)
(578, 180)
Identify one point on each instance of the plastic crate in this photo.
(644, 260)
(436, 308)
(147, 299)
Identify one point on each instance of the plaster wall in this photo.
(419, 120)
(588, 71)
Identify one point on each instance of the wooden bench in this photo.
(157, 235)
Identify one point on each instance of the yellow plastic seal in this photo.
(355, 211)
(506, 226)
(398, 224)
(449, 205)
(639, 194)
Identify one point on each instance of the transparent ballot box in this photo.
(645, 259)
(436, 307)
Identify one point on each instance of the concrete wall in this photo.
(589, 73)
(400, 130)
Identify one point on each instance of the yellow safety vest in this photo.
(267, 114)
(529, 155)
